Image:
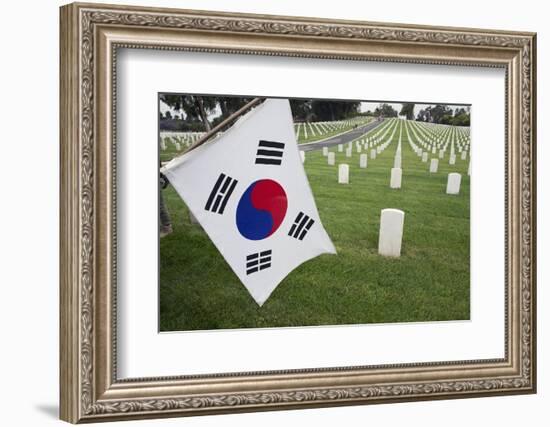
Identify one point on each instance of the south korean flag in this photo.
(249, 191)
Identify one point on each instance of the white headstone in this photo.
(397, 162)
(303, 156)
(340, 148)
(453, 183)
(434, 163)
(358, 148)
(463, 155)
(441, 153)
(395, 181)
(391, 232)
(452, 159)
(373, 153)
(363, 161)
(425, 156)
(331, 158)
(178, 146)
(325, 151)
(348, 152)
(343, 174)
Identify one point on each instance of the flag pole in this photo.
(224, 123)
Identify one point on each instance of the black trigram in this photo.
(301, 226)
(269, 153)
(220, 194)
(258, 261)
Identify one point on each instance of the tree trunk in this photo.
(332, 117)
(223, 107)
(202, 111)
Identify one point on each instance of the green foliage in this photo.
(446, 119)
(407, 110)
(307, 110)
(462, 119)
(385, 110)
(442, 114)
(301, 110)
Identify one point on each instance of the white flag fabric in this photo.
(249, 191)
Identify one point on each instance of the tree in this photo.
(229, 104)
(194, 107)
(424, 115)
(407, 110)
(202, 112)
(385, 110)
(459, 111)
(301, 109)
(325, 110)
(446, 119)
(443, 114)
(438, 111)
(462, 119)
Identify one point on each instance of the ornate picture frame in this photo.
(90, 37)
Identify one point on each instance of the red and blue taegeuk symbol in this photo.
(261, 210)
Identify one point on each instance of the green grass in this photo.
(429, 282)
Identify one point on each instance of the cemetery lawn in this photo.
(429, 282)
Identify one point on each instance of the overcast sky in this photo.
(365, 106)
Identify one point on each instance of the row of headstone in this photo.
(360, 143)
(331, 159)
(449, 138)
(373, 138)
(320, 128)
(432, 140)
(396, 172)
(396, 175)
(178, 139)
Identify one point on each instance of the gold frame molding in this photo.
(90, 36)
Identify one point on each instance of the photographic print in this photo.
(316, 223)
(277, 212)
